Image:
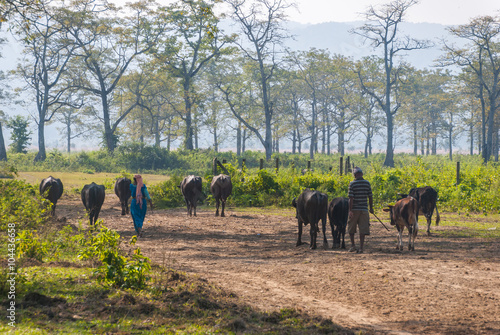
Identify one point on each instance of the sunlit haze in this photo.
(448, 12)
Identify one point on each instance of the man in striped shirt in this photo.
(360, 191)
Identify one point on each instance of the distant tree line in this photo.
(156, 74)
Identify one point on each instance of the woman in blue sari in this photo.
(138, 207)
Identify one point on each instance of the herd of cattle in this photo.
(311, 206)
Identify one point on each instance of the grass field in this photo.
(78, 179)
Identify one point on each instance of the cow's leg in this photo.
(415, 231)
(400, 238)
(314, 234)
(217, 204)
(323, 228)
(223, 207)
(410, 234)
(428, 224)
(334, 236)
(124, 207)
(194, 208)
(299, 238)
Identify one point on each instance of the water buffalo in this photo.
(338, 212)
(191, 188)
(122, 191)
(221, 188)
(93, 198)
(311, 206)
(51, 188)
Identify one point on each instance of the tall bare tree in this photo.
(107, 43)
(194, 41)
(382, 31)
(47, 54)
(482, 56)
(261, 25)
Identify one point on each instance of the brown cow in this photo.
(427, 198)
(405, 214)
(221, 188)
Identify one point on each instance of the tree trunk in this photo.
(169, 135)
(313, 130)
(389, 156)
(68, 131)
(471, 132)
(415, 139)
(3, 152)
(188, 135)
(216, 143)
(238, 139)
(41, 155)
(108, 132)
(450, 147)
(243, 140)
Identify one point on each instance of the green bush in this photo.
(29, 245)
(21, 203)
(115, 269)
(168, 193)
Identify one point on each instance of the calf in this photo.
(311, 206)
(427, 198)
(51, 188)
(122, 191)
(405, 214)
(338, 212)
(191, 188)
(93, 198)
(221, 188)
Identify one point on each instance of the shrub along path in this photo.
(448, 285)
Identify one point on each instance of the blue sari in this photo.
(138, 213)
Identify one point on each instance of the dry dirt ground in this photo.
(446, 286)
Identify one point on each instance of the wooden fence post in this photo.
(458, 173)
(309, 165)
(341, 167)
(277, 164)
(261, 163)
(215, 166)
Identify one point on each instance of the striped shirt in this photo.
(360, 190)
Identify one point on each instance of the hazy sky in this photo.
(449, 12)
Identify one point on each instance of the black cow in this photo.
(427, 198)
(122, 191)
(191, 188)
(221, 188)
(405, 214)
(93, 198)
(51, 188)
(311, 206)
(338, 212)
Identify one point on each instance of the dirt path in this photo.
(447, 286)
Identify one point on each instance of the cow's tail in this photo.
(438, 218)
